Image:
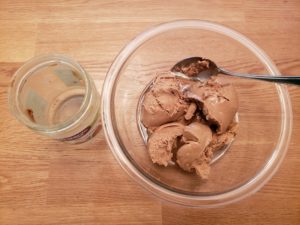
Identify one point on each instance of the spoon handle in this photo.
(277, 79)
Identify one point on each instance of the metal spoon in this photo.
(198, 68)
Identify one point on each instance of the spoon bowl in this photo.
(195, 68)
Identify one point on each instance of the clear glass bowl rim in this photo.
(224, 198)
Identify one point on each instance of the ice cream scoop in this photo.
(163, 103)
(191, 156)
(162, 142)
(218, 101)
(194, 154)
(197, 132)
(199, 68)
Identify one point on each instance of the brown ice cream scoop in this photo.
(162, 142)
(197, 132)
(163, 102)
(191, 156)
(218, 101)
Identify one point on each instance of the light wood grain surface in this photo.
(47, 182)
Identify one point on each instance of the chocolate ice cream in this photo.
(197, 132)
(187, 121)
(193, 154)
(163, 141)
(219, 102)
(164, 102)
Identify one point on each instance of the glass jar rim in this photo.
(26, 70)
(233, 195)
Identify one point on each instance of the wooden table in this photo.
(47, 182)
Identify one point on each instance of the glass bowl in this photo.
(265, 114)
